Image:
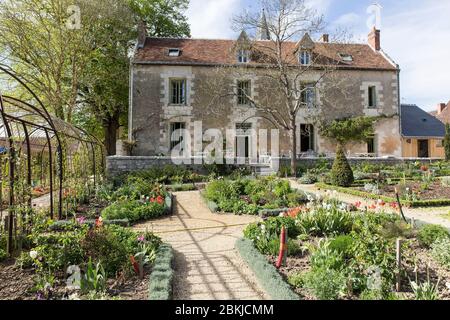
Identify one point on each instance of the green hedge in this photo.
(367, 195)
(267, 274)
(212, 206)
(161, 278)
(59, 225)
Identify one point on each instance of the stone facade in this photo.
(151, 114)
(211, 74)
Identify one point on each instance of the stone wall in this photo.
(151, 113)
(117, 165)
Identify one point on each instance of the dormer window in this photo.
(346, 57)
(243, 56)
(305, 57)
(174, 52)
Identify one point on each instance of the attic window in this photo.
(346, 57)
(305, 58)
(174, 52)
(243, 56)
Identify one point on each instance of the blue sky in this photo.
(415, 33)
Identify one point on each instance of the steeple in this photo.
(263, 32)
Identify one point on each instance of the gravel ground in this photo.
(433, 215)
(206, 264)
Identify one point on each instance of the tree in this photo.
(447, 142)
(105, 85)
(283, 79)
(37, 45)
(81, 72)
(344, 131)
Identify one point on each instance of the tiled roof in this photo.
(223, 52)
(415, 122)
(444, 116)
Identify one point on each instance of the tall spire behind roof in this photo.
(263, 32)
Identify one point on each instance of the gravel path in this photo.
(207, 267)
(433, 215)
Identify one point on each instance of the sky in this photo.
(415, 33)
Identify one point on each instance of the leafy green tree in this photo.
(105, 85)
(447, 142)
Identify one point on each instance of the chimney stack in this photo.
(375, 39)
(441, 107)
(325, 38)
(142, 34)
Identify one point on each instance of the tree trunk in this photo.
(294, 148)
(110, 127)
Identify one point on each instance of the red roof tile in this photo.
(223, 52)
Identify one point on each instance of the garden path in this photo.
(433, 215)
(207, 266)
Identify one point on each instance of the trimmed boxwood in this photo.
(341, 172)
(161, 278)
(60, 225)
(362, 194)
(267, 274)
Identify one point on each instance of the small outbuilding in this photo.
(422, 133)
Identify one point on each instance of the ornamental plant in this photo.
(341, 172)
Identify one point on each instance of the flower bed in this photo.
(251, 196)
(136, 201)
(80, 261)
(337, 254)
(409, 202)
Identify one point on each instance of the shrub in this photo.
(441, 251)
(325, 221)
(342, 244)
(341, 172)
(326, 284)
(104, 246)
(162, 275)
(3, 255)
(134, 210)
(267, 275)
(428, 234)
(297, 280)
(323, 257)
(308, 178)
(58, 250)
(273, 247)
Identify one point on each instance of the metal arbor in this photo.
(41, 152)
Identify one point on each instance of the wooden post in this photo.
(399, 264)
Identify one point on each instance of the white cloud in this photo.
(212, 18)
(348, 20)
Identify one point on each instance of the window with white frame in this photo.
(372, 98)
(178, 91)
(244, 90)
(305, 57)
(308, 95)
(243, 56)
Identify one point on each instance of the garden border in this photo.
(161, 279)
(411, 204)
(268, 277)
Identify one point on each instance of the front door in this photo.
(243, 136)
(423, 147)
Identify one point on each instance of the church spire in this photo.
(263, 32)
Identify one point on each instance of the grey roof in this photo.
(416, 122)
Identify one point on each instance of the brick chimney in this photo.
(142, 34)
(441, 107)
(325, 38)
(375, 39)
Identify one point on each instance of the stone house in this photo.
(172, 88)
